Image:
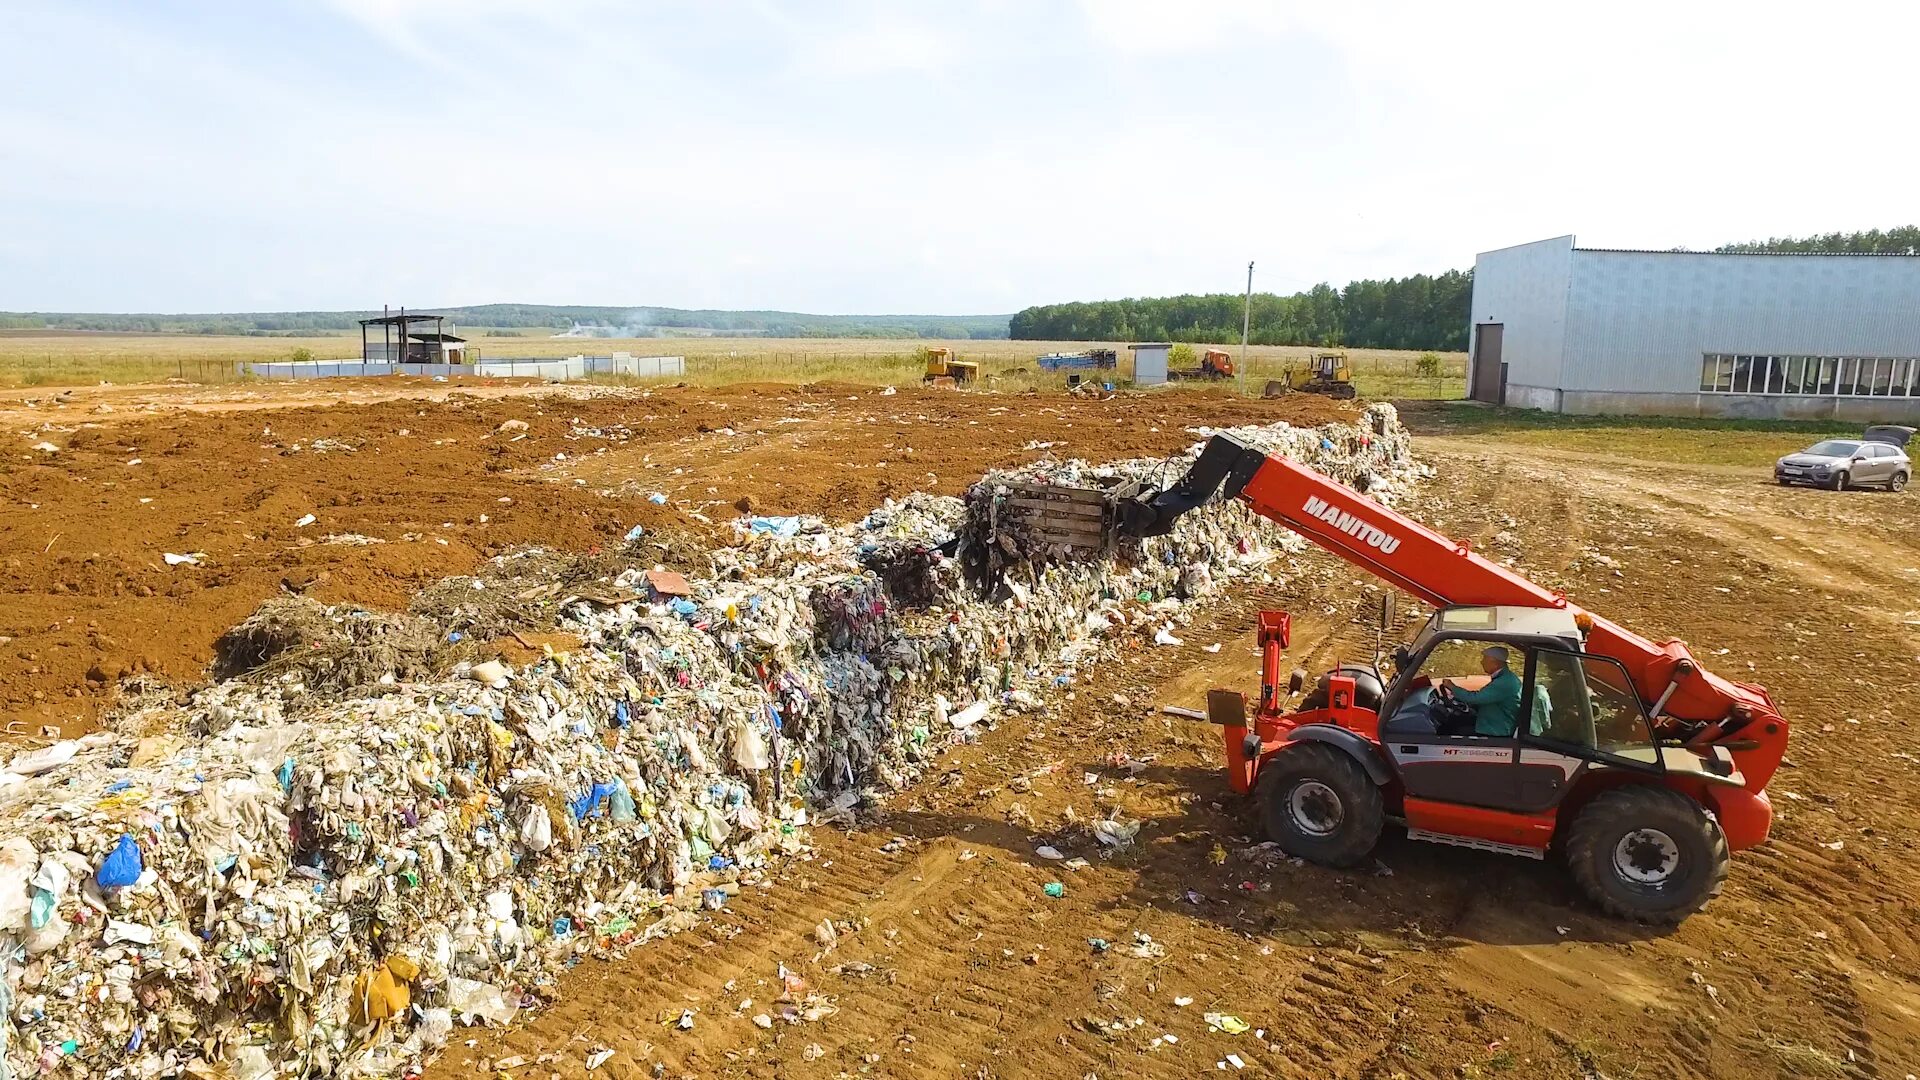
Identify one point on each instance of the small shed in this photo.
(400, 345)
(1150, 362)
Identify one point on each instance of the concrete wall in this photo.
(1639, 321)
(1525, 289)
(1857, 410)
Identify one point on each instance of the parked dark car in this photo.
(1878, 458)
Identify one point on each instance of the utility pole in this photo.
(1246, 324)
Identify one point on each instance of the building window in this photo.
(1829, 376)
(1882, 379)
(1829, 367)
(1796, 365)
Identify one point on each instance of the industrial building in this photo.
(1681, 333)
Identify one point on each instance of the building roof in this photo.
(1822, 254)
(448, 338)
(399, 320)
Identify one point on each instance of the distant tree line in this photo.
(1418, 312)
(1904, 240)
(625, 320)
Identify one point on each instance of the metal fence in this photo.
(556, 368)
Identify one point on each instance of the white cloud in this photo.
(1168, 26)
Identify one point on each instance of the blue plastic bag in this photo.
(122, 866)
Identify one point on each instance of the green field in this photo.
(49, 358)
(1687, 440)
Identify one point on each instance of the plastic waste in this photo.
(122, 866)
(45, 759)
(1228, 1023)
(496, 826)
(968, 716)
(472, 1001)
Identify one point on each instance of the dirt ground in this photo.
(948, 958)
(410, 481)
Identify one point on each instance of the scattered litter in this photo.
(1047, 851)
(304, 521)
(658, 498)
(1183, 1002)
(398, 856)
(598, 1058)
(1114, 832)
(1054, 889)
(181, 560)
(1228, 1023)
(491, 673)
(1145, 948)
(1164, 636)
(968, 716)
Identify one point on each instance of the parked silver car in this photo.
(1879, 458)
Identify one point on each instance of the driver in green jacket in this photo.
(1496, 706)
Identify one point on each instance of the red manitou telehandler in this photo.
(1641, 766)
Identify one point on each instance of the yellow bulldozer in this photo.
(942, 364)
(1325, 372)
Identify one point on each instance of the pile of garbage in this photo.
(262, 880)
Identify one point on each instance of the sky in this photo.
(960, 157)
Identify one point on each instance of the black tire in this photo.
(1838, 482)
(1319, 804)
(1647, 853)
(1897, 482)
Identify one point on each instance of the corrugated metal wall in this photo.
(1525, 289)
(1639, 321)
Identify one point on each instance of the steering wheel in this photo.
(1449, 712)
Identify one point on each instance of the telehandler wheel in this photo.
(1647, 853)
(1319, 804)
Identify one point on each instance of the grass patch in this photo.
(82, 359)
(1681, 439)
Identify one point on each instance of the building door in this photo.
(1486, 380)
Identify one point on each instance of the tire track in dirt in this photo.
(1457, 965)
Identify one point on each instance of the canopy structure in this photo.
(399, 345)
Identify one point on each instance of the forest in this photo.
(1418, 312)
(598, 321)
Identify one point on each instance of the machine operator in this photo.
(1496, 706)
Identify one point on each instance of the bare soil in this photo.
(950, 959)
(409, 481)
